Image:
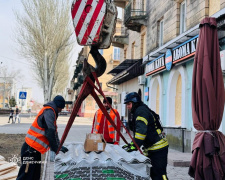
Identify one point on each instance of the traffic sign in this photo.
(22, 95)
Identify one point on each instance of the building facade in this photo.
(7, 91)
(166, 42)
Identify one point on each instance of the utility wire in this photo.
(14, 60)
(22, 62)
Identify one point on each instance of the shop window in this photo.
(178, 101)
(157, 100)
(182, 17)
(214, 6)
(116, 53)
(160, 31)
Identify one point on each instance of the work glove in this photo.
(131, 148)
(63, 149)
(145, 151)
(126, 146)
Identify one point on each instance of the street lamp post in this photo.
(4, 94)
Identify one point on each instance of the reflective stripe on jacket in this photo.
(146, 131)
(100, 116)
(36, 135)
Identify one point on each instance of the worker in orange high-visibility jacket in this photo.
(102, 126)
(41, 137)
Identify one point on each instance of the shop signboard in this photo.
(146, 93)
(178, 54)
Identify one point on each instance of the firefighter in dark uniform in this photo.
(147, 132)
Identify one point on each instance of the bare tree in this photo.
(44, 34)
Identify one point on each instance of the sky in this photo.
(9, 56)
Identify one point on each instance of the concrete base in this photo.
(178, 159)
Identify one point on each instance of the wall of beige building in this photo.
(124, 88)
(108, 55)
(169, 12)
(136, 49)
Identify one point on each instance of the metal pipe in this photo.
(182, 140)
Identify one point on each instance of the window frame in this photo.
(161, 27)
(183, 13)
(116, 53)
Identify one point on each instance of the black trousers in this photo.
(10, 117)
(159, 163)
(33, 157)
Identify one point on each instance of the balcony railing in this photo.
(133, 13)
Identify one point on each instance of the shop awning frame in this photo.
(131, 69)
(122, 66)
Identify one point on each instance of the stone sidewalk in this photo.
(178, 162)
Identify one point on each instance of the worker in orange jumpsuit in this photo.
(102, 126)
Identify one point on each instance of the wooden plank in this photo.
(3, 162)
(7, 171)
(2, 158)
(7, 166)
(11, 175)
